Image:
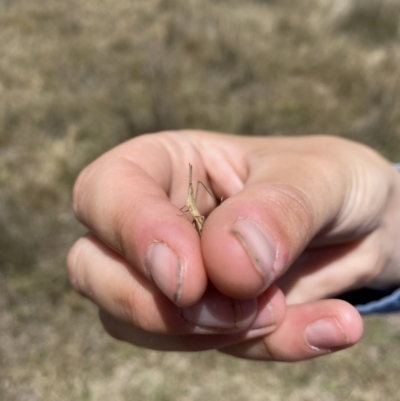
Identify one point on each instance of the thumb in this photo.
(319, 189)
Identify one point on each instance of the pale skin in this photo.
(303, 219)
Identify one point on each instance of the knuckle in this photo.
(297, 208)
(321, 162)
(78, 191)
(127, 302)
(75, 266)
(86, 188)
(133, 313)
(373, 256)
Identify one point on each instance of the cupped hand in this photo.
(315, 214)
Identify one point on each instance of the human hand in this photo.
(285, 197)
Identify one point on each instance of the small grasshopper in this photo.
(191, 203)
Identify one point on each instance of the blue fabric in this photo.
(390, 303)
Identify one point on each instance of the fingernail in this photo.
(265, 318)
(221, 313)
(326, 334)
(259, 246)
(166, 269)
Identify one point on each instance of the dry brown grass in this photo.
(78, 77)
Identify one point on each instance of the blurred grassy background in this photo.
(77, 77)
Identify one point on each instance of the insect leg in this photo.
(209, 192)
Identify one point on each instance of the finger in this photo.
(105, 277)
(308, 331)
(332, 270)
(271, 312)
(297, 192)
(128, 206)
